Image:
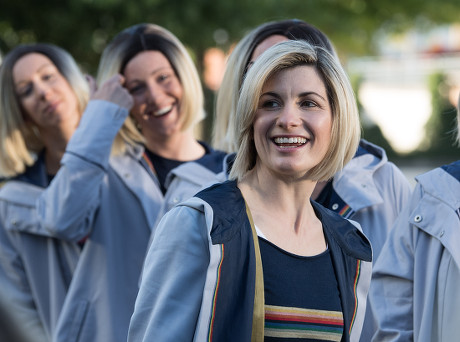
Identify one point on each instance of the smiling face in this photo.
(157, 93)
(293, 122)
(45, 96)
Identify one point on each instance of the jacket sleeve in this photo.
(169, 300)
(68, 206)
(393, 277)
(16, 296)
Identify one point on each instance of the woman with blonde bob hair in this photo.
(42, 97)
(253, 259)
(369, 189)
(132, 158)
(345, 118)
(19, 138)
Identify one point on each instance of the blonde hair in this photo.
(227, 96)
(21, 141)
(147, 37)
(345, 132)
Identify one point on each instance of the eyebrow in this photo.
(307, 93)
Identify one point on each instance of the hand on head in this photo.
(112, 90)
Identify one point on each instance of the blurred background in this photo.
(403, 57)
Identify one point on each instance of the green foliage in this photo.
(83, 27)
(439, 130)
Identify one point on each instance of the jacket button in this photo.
(441, 234)
(175, 200)
(335, 206)
(418, 218)
(14, 222)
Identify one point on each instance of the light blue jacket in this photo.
(374, 190)
(203, 277)
(35, 270)
(371, 191)
(417, 276)
(113, 202)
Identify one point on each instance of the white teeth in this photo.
(296, 140)
(162, 111)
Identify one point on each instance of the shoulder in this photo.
(442, 183)
(212, 159)
(345, 233)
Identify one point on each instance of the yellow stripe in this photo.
(258, 318)
(302, 312)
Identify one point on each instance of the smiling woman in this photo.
(132, 158)
(42, 97)
(258, 239)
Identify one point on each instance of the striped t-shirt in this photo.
(302, 301)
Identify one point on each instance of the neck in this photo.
(55, 145)
(291, 196)
(183, 146)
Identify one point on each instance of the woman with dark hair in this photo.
(42, 97)
(132, 158)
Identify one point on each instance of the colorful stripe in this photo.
(149, 163)
(345, 211)
(214, 299)
(291, 322)
(355, 287)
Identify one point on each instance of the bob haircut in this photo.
(20, 141)
(237, 64)
(149, 37)
(345, 132)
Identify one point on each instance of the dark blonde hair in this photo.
(345, 133)
(20, 141)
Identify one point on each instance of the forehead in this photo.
(266, 44)
(29, 64)
(301, 78)
(147, 60)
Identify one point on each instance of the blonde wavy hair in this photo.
(20, 141)
(345, 132)
(146, 37)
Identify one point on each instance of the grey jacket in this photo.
(113, 202)
(35, 270)
(416, 278)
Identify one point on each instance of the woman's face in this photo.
(157, 94)
(45, 96)
(293, 122)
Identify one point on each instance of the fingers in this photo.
(113, 91)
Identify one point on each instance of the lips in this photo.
(289, 142)
(51, 107)
(158, 113)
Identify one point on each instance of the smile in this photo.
(285, 142)
(163, 111)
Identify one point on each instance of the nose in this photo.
(289, 117)
(43, 90)
(155, 93)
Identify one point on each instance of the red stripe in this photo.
(306, 320)
(215, 296)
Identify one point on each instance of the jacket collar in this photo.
(358, 176)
